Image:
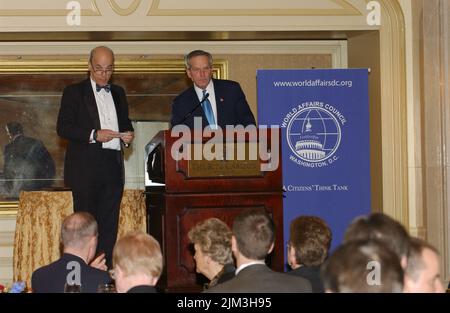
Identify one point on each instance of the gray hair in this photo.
(77, 229)
(196, 53)
(214, 238)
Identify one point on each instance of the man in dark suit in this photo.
(94, 118)
(138, 263)
(28, 164)
(309, 242)
(253, 239)
(214, 102)
(79, 238)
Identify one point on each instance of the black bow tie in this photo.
(107, 87)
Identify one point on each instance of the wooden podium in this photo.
(195, 190)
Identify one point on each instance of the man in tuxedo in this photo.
(94, 119)
(79, 238)
(28, 164)
(253, 239)
(216, 102)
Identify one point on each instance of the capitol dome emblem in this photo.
(313, 134)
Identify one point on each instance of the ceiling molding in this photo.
(346, 9)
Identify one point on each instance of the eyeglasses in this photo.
(99, 71)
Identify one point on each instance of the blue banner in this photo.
(324, 118)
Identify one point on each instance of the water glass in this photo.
(72, 288)
(106, 288)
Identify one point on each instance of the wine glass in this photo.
(72, 288)
(106, 288)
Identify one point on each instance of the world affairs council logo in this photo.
(314, 133)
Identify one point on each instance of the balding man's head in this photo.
(78, 229)
(101, 64)
(101, 50)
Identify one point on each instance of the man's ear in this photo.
(234, 246)
(188, 73)
(94, 241)
(92, 249)
(291, 255)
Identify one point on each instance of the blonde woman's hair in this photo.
(138, 253)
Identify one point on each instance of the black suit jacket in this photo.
(258, 278)
(77, 117)
(232, 106)
(52, 278)
(312, 274)
(28, 165)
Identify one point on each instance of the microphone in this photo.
(193, 110)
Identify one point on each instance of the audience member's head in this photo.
(212, 244)
(137, 261)
(253, 236)
(79, 235)
(363, 266)
(422, 274)
(309, 241)
(383, 228)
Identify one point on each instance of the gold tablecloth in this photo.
(38, 226)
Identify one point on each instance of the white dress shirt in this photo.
(107, 114)
(240, 268)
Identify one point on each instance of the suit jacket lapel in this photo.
(91, 104)
(117, 104)
(219, 101)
